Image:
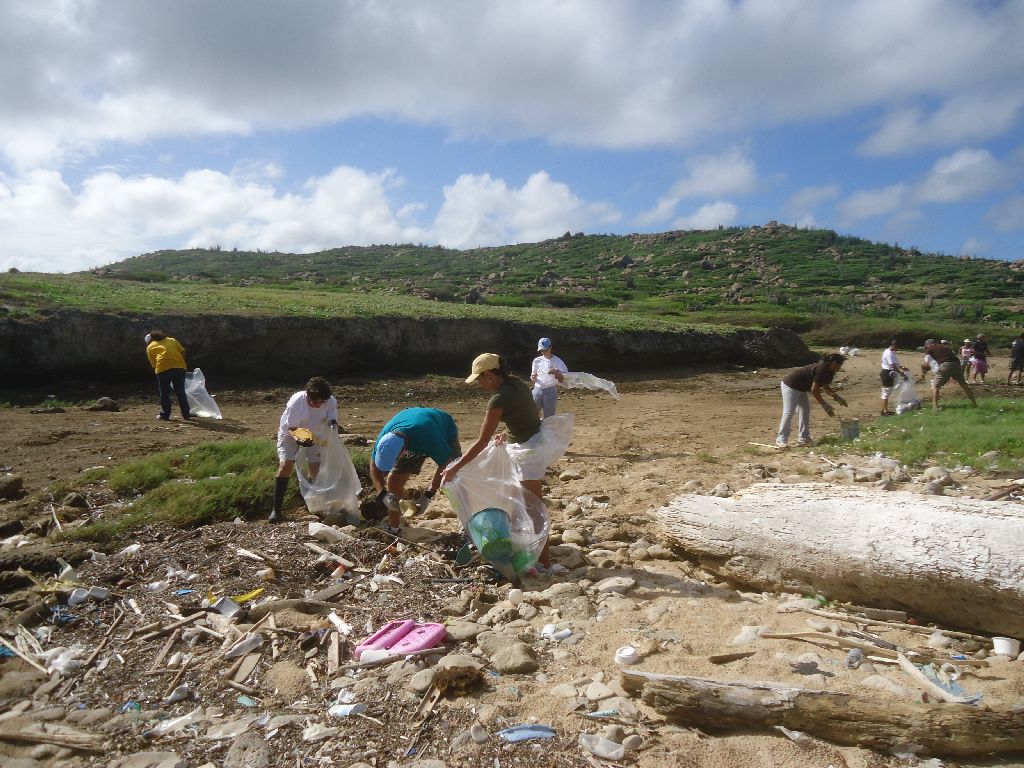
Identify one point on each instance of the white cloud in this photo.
(973, 246)
(869, 203)
(964, 118)
(1008, 214)
(963, 175)
(47, 226)
(600, 73)
(731, 172)
(710, 216)
(481, 210)
(802, 204)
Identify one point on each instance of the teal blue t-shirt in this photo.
(428, 432)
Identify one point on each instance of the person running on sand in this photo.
(314, 410)
(949, 368)
(167, 357)
(547, 373)
(402, 446)
(891, 368)
(1016, 358)
(796, 387)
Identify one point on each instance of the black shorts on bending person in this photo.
(410, 463)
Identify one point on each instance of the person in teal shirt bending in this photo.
(410, 438)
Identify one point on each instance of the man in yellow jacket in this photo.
(167, 357)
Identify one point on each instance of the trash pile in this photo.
(304, 643)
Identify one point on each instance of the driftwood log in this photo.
(955, 561)
(841, 718)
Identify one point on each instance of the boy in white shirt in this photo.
(314, 410)
(548, 371)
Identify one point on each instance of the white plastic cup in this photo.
(626, 655)
(1006, 646)
(78, 596)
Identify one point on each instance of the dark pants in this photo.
(172, 378)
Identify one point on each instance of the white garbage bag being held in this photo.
(336, 485)
(580, 380)
(904, 392)
(507, 524)
(531, 459)
(200, 403)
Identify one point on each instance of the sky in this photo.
(128, 127)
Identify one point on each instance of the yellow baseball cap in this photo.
(488, 361)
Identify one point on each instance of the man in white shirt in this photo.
(548, 371)
(891, 368)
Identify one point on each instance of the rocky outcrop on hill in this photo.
(110, 346)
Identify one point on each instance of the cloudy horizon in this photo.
(127, 128)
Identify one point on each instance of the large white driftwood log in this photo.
(956, 561)
(842, 718)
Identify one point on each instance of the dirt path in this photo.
(665, 429)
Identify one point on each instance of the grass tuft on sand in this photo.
(192, 486)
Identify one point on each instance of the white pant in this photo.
(794, 401)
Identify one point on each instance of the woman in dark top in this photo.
(796, 387)
(511, 403)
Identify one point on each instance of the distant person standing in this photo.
(980, 360)
(305, 423)
(547, 373)
(1016, 358)
(966, 353)
(167, 357)
(948, 368)
(891, 368)
(798, 386)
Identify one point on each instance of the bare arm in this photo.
(487, 430)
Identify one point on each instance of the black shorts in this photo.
(1017, 363)
(888, 378)
(410, 463)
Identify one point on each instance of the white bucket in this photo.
(849, 429)
(1005, 646)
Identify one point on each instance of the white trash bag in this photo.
(336, 485)
(580, 380)
(904, 391)
(531, 458)
(200, 403)
(507, 524)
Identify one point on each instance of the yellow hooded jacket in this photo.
(166, 354)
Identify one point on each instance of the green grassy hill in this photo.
(832, 288)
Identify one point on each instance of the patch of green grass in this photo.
(958, 434)
(202, 484)
(838, 289)
(707, 457)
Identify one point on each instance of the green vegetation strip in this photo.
(31, 293)
(193, 486)
(956, 435)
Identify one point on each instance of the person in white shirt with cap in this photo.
(547, 373)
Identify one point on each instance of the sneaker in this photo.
(805, 443)
(161, 417)
(393, 531)
(275, 517)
